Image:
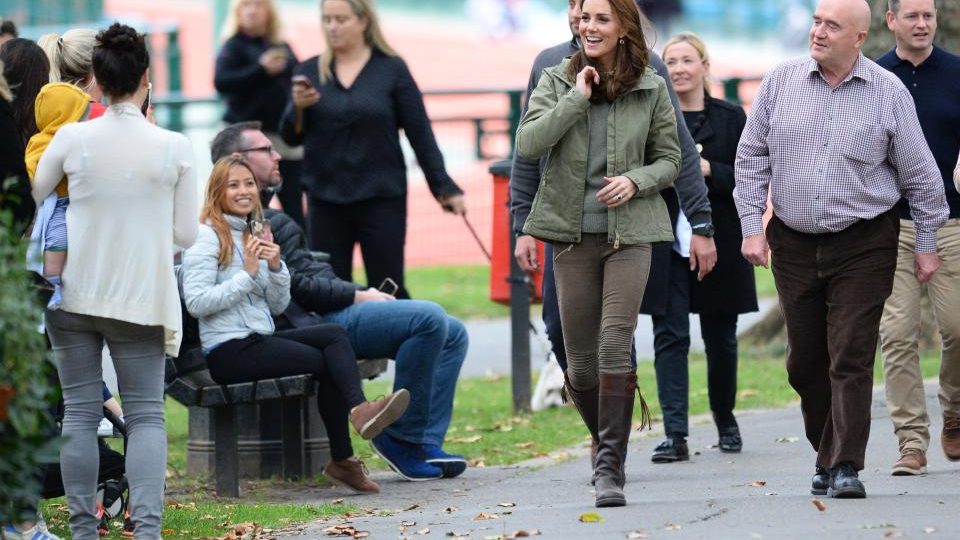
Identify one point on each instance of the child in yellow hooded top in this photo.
(57, 104)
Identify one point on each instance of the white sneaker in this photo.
(105, 429)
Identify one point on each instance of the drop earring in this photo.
(621, 41)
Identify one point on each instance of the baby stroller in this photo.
(112, 491)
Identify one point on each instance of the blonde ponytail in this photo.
(70, 55)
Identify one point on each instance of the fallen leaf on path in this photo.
(422, 532)
(672, 527)
(408, 523)
(819, 504)
(507, 504)
(450, 509)
(787, 439)
(893, 534)
(637, 534)
(484, 515)
(411, 507)
(591, 517)
(522, 534)
(929, 530)
(560, 456)
(757, 483)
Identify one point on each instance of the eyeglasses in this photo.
(268, 149)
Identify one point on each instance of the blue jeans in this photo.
(428, 346)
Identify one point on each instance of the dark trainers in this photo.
(370, 417)
(351, 473)
(845, 483)
(821, 481)
(452, 465)
(406, 459)
(730, 440)
(671, 450)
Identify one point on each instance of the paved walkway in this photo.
(762, 493)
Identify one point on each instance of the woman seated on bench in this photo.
(233, 280)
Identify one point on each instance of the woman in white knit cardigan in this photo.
(133, 196)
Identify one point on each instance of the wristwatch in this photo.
(704, 229)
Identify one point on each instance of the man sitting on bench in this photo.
(428, 345)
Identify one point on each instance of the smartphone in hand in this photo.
(389, 286)
(260, 228)
(302, 81)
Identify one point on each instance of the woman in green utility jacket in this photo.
(605, 121)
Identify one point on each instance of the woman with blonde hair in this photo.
(234, 282)
(605, 121)
(730, 289)
(252, 74)
(72, 95)
(349, 105)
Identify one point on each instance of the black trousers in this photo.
(323, 351)
(291, 194)
(378, 225)
(832, 289)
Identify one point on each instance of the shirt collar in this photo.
(932, 61)
(860, 69)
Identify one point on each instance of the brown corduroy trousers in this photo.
(832, 289)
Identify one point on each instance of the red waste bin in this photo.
(502, 254)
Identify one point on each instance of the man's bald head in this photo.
(839, 30)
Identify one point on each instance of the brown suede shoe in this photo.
(351, 473)
(950, 437)
(912, 462)
(370, 417)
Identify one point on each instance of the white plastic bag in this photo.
(547, 392)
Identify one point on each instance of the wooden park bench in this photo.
(189, 382)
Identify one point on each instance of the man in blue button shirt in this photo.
(932, 76)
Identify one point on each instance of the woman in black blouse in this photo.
(730, 289)
(253, 75)
(348, 107)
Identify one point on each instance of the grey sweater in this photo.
(525, 176)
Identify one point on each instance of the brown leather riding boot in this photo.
(586, 403)
(615, 420)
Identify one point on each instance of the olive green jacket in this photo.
(641, 145)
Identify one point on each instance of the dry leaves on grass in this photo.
(465, 440)
(524, 445)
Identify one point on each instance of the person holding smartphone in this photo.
(252, 74)
(348, 107)
(234, 282)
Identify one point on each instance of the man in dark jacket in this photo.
(428, 345)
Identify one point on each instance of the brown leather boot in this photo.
(586, 403)
(950, 437)
(615, 419)
(370, 417)
(351, 473)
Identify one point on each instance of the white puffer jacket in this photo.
(229, 303)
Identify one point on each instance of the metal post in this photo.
(516, 109)
(519, 333)
(174, 77)
(731, 89)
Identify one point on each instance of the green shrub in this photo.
(25, 391)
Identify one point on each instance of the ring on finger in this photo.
(619, 196)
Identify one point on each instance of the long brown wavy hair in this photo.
(631, 58)
(214, 204)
